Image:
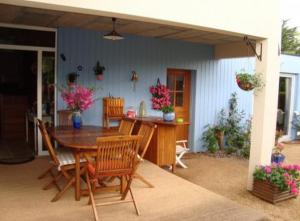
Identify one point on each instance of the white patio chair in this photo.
(181, 149)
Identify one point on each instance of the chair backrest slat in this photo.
(146, 131)
(116, 155)
(126, 126)
(64, 117)
(47, 141)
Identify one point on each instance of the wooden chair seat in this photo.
(126, 126)
(115, 157)
(67, 158)
(146, 131)
(64, 163)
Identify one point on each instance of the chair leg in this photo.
(178, 160)
(134, 203)
(142, 179)
(44, 174)
(66, 187)
(53, 182)
(91, 198)
(128, 183)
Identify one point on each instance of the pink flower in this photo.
(268, 169)
(294, 191)
(160, 96)
(78, 98)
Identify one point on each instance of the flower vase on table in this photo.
(77, 99)
(76, 119)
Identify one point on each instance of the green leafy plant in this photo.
(167, 109)
(209, 139)
(248, 81)
(233, 132)
(285, 177)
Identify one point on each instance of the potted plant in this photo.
(277, 182)
(72, 78)
(277, 156)
(248, 82)
(168, 113)
(98, 70)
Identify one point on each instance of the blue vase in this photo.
(76, 118)
(277, 158)
(169, 116)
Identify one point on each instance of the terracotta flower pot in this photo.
(99, 77)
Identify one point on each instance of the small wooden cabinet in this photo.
(162, 147)
(113, 109)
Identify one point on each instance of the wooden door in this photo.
(179, 83)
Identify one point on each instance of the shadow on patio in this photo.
(173, 198)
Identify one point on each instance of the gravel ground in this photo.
(228, 177)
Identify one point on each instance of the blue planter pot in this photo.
(169, 116)
(76, 118)
(277, 158)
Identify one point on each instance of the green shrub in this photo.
(209, 139)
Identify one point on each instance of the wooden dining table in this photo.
(79, 140)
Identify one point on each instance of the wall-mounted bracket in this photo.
(253, 48)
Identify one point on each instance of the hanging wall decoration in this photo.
(98, 70)
(134, 79)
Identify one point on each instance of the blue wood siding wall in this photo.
(213, 80)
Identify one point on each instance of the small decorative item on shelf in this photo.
(160, 96)
(142, 109)
(134, 79)
(72, 79)
(168, 113)
(179, 120)
(248, 82)
(277, 182)
(77, 99)
(277, 156)
(98, 70)
(131, 112)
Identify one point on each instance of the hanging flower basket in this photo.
(248, 82)
(246, 86)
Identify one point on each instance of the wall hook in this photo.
(253, 48)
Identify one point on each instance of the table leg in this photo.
(173, 167)
(77, 175)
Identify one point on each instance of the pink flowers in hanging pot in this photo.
(160, 96)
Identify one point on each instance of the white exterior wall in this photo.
(246, 17)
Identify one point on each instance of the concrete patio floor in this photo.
(173, 198)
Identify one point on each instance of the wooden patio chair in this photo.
(64, 117)
(64, 163)
(116, 156)
(181, 149)
(146, 131)
(126, 126)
